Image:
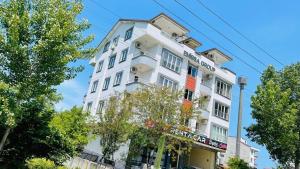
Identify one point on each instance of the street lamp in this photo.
(242, 82)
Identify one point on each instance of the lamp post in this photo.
(242, 82)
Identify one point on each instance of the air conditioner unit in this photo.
(211, 56)
(174, 35)
(138, 45)
(208, 76)
(133, 70)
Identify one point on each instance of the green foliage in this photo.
(157, 111)
(236, 163)
(38, 41)
(7, 105)
(42, 163)
(72, 125)
(114, 127)
(276, 109)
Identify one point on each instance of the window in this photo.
(123, 55)
(94, 87)
(111, 62)
(89, 107)
(171, 61)
(100, 65)
(106, 46)
(219, 133)
(128, 34)
(166, 82)
(223, 88)
(100, 107)
(221, 111)
(116, 40)
(106, 83)
(188, 95)
(118, 78)
(192, 70)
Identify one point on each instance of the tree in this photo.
(236, 163)
(74, 127)
(42, 163)
(38, 41)
(114, 126)
(157, 111)
(276, 109)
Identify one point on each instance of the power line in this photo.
(238, 32)
(207, 37)
(241, 60)
(221, 34)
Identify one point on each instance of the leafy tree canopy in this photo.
(276, 109)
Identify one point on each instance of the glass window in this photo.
(118, 79)
(115, 41)
(223, 88)
(192, 70)
(100, 107)
(100, 65)
(111, 62)
(188, 95)
(167, 82)
(221, 111)
(106, 47)
(94, 87)
(219, 133)
(106, 83)
(89, 107)
(124, 55)
(171, 61)
(128, 34)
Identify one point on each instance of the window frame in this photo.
(122, 53)
(161, 82)
(223, 88)
(219, 111)
(131, 32)
(171, 61)
(116, 40)
(224, 130)
(188, 94)
(89, 106)
(115, 80)
(100, 63)
(195, 68)
(98, 106)
(94, 86)
(106, 47)
(106, 85)
(109, 61)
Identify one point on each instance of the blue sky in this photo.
(274, 25)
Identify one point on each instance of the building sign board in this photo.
(196, 59)
(199, 138)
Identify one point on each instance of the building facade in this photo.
(159, 51)
(248, 153)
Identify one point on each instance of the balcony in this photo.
(204, 114)
(143, 62)
(134, 86)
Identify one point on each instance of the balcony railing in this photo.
(143, 62)
(134, 86)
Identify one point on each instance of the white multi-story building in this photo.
(159, 51)
(248, 153)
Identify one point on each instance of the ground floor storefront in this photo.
(201, 155)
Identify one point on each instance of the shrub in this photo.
(236, 163)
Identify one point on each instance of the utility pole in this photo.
(242, 82)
